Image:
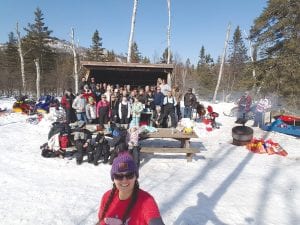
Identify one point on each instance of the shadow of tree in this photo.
(201, 213)
(209, 203)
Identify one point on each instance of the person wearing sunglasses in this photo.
(126, 203)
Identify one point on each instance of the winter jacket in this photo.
(136, 109)
(86, 95)
(79, 104)
(66, 101)
(165, 88)
(142, 99)
(189, 100)
(53, 142)
(82, 134)
(158, 98)
(263, 105)
(90, 111)
(123, 106)
(245, 103)
(114, 106)
(102, 104)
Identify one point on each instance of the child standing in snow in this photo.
(136, 110)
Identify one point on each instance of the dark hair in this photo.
(130, 206)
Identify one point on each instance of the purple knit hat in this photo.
(123, 163)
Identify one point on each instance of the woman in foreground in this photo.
(126, 203)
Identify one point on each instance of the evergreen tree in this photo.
(3, 73)
(12, 64)
(110, 56)
(204, 73)
(237, 62)
(201, 57)
(145, 60)
(96, 51)
(37, 46)
(135, 54)
(276, 35)
(204, 59)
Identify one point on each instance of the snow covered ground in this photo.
(224, 184)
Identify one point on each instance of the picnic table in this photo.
(174, 134)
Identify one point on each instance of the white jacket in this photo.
(90, 111)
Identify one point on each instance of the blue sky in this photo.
(194, 22)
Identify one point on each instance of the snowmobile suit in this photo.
(100, 149)
(169, 109)
(103, 112)
(82, 138)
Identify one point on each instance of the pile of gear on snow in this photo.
(75, 141)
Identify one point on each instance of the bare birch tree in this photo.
(38, 78)
(169, 39)
(251, 52)
(21, 59)
(169, 31)
(184, 74)
(73, 47)
(130, 42)
(222, 63)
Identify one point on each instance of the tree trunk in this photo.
(169, 31)
(168, 38)
(222, 63)
(75, 61)
(21, 60)
(131, 31)
(251, 51)
(38, 78)
(184, 74)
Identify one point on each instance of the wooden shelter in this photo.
(134, 74)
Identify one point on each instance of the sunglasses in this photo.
(120, 176)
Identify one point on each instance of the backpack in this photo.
(64, 140)
(61, 128)
(119, 135)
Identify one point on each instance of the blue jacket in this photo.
(158, 98)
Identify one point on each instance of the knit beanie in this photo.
(123, 163)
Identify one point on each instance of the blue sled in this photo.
(281, 127)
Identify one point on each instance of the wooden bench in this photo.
(174, 134)
(189, 151)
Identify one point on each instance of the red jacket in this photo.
(86, 95)
(144, 210)
(245, 103)
(102, 104)
(66, 101)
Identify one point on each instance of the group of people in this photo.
(125, 203)
(245, 106)
(101, 103)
